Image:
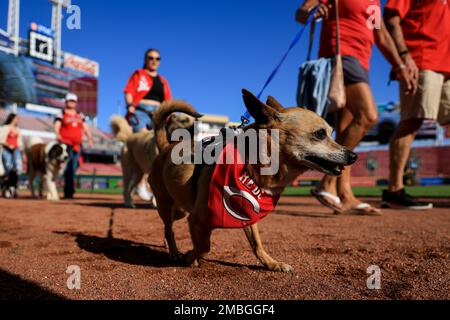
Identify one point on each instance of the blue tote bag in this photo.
(321, 82)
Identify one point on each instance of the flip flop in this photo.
(360, 209)
(321, 195)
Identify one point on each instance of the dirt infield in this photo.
(121, 254)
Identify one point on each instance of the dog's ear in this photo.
(258, 110)
(272, 102)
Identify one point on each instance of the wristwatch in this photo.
(403, 53)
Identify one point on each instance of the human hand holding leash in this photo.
(131, 108)
(322, 12)
(307, 8)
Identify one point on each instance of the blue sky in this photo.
(210, 49)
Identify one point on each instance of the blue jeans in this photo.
(140, 119)
(69, 173)
(9, 160)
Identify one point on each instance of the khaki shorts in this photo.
(431, 101)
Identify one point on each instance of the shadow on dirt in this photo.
(135, 253)
(298, 204)
(121, 250)
(441, 204)
(110, 205)
(305, 214)
(13, 287)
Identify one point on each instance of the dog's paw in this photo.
(280, 267)
(190, 259)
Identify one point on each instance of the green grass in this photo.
(101, 191)
(423, 192)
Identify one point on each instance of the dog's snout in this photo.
(351, 157)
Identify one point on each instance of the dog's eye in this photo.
(320, 134)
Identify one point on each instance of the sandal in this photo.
(322, 195)
(361, 209)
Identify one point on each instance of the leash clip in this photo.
(244, 122)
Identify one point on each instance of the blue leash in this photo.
(245, 119)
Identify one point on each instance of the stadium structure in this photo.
(36, 74)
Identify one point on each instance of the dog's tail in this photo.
(120, 128)
(160, 117)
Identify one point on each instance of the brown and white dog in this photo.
(305, 143)
(139, 150)
(47, 161)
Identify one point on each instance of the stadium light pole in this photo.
(57, 6)
(13, 24)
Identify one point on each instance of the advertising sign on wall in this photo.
(41, 42)
(74, 62)
(31, 81)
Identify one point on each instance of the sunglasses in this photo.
(153, 59)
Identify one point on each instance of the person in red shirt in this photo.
(145, 91)
(359, 31)
(69, 129)
(421, 32)
(10, 146)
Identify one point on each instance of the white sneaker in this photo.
(143, 193)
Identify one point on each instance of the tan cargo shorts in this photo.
(431, 101)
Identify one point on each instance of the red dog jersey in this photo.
(235, 201)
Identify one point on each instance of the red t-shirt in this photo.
(72, 129)
(426, 29)
(356, 37)
(140, 83)
(12, 139)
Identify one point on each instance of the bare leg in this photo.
(253, 237)
(400, 147)
(361, 105)
(329, 183)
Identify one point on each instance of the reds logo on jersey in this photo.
(143, 85)
(235, 200)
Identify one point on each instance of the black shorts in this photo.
(354, 71)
